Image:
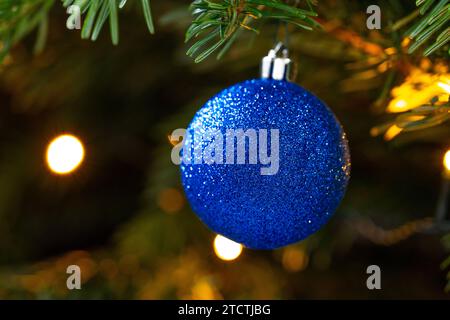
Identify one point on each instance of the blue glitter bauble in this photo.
(268, 211)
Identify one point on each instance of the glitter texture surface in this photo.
(269, 211)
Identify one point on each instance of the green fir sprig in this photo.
(435, 20)
(216, 23)
(18, 18)
(98, 11)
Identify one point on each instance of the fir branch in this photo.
(18, 18)
(98, 11)
(216, 23)
(422, 117)
(435, 20)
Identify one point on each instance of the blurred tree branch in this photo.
(215, 24)
(221, 20)
(435, 17)
(18, 18)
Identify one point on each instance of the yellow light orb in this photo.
(295, 259)
(447, 160)
(226, 249)
(398, 105)
(65, 154)
(444, 86)
(392, 132)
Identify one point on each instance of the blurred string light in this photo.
(369, 230)
(65, 153)
(226, 249)
(442, 221)
(446, 161)
(366, 228)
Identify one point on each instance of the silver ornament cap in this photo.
(277, 64)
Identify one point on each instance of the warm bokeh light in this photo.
(400, 105)
(419, 88)
(444, 86)
(170, 200)
(204, 289)
(294, 259)
(392, 132)
(65, 154)
(447, 160)
(226, 249)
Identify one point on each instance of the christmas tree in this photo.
(91, 91)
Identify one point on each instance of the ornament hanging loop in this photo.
(277, 64)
